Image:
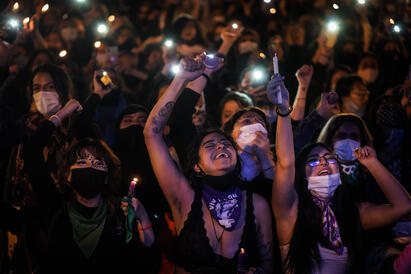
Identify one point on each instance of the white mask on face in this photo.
(247, 46)
(368, 75)
(323, 187)
(345, 149)
(47, 102)
(247, 134)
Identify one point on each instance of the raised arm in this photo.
(373, 216)
(172, 181)
(284, 197)
(303, 75)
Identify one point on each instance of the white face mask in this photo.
(47, 102)
(368, 75)
(323, 187)
(345, 149)
(247, 46)
(247, 134)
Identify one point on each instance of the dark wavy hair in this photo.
(100, 150)
(304, 252)
(193, 156)
(62, 82)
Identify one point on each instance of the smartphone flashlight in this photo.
(335, 6)
(361, 2)
(332, 26)
(102, 28)
(396, 28)
(16, 6)
(234, 26)
(45, 8)
(63, 53)
(168, 43)
(97, 44)
(13, 23)
(257, 74)
(175, 69)
(26, 20)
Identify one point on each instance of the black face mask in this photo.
(222, 182)
(88, 182)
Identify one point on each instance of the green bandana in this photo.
(87, 231)
(350, 172)
(130, 218)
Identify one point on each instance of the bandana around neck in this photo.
(330, 226)
(224, 206)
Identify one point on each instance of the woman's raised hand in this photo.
(278, 93)
(191, 68)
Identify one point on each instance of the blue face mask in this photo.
(345, 149)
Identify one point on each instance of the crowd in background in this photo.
(97, 96)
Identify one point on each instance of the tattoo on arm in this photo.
(159, 121)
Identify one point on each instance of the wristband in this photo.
(144, 228)
(206, 76)
(290, 109)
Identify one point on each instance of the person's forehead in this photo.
(250, 114)
(213, 137)
(43, 77)
(318, 151)
(230, 105)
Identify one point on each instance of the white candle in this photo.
(276, 71)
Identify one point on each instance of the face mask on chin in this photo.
(47, 102)
(323, 187)
(368, 75)
(345, 149)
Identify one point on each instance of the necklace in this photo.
(215, 231)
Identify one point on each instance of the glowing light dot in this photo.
(168, 43)
(16, 6)
(258, 74)
(234, 26)
(102, 28)
(104, 73)
(335, 6)
(135, 179)
(392, 22)
(262, 55)
(97, 44)
(175, 69)
(267, 1)
(63, 53)
(273, 11)
(397, 28)
(45, 8)
(361, 2)
(111, 18)
(26, 20)
(211, 56)
(81, 1)
(13, 23)
(332, 26)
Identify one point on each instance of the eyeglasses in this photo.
(328, 158)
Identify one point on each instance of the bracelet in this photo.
(144, 228)
(206, 76)
(56, 118)
(290, 109)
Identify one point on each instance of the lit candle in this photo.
(241, 265)
(132, 186)
(276, 71)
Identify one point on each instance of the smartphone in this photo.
(211, 61)
(332, 97)
(104, 79)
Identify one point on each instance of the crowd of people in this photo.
(216, 136)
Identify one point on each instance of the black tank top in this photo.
(193, 250)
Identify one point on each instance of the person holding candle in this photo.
(87, 224)
(214, 218)
(318, 222)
